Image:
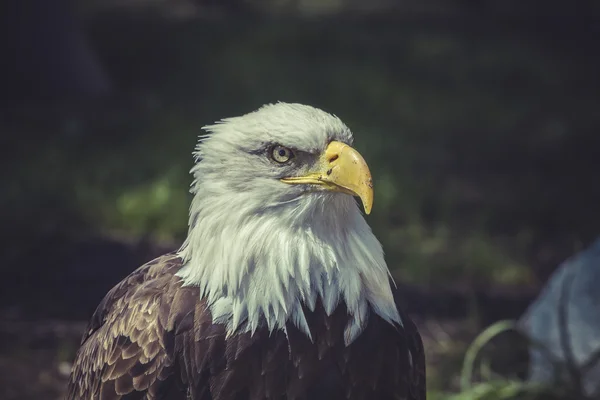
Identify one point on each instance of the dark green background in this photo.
(480, 122)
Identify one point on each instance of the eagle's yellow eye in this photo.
(281, 154)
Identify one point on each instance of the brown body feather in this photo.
(152, 338)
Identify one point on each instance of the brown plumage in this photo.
(286, 294)
(152, 338)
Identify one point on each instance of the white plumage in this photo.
(260, 247)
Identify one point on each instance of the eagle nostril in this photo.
(333, 157)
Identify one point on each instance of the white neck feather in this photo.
(258, 264)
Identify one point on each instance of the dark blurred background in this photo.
(479, 120)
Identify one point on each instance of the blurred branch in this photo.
(475, 348)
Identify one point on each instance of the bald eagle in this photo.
(280, 290)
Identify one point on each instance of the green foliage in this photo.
(458, 126)
(505, 390)
(492, 386)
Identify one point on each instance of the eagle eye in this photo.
(281, 154)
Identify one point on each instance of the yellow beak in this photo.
(341, 169)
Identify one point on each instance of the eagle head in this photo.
(274, 226)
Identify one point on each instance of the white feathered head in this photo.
(274, 225)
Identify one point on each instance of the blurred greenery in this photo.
(494, 386)
(480, 136)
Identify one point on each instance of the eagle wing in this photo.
(127, 350)
(416, 378)
(152, 338)
(387, 361)
(411, 344)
